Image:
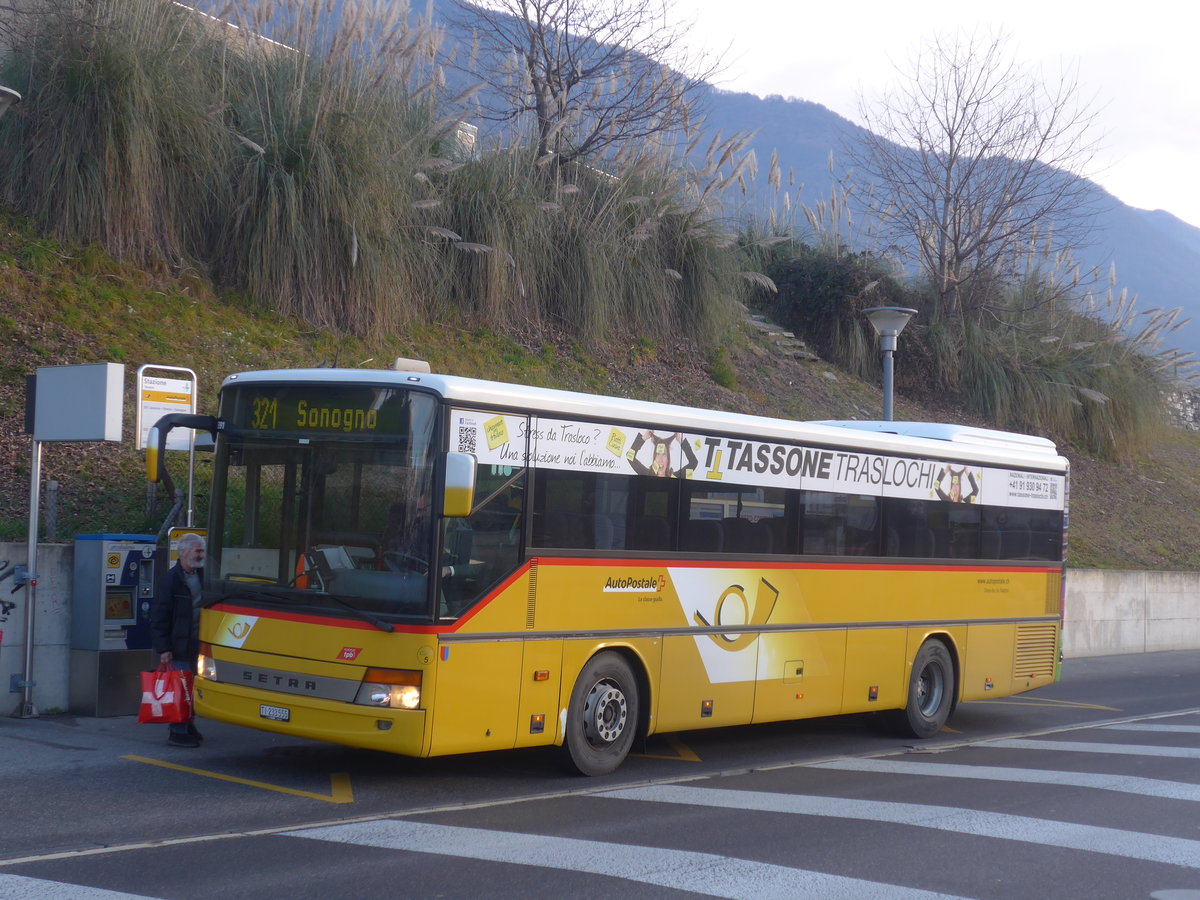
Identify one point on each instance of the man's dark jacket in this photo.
(171, 625)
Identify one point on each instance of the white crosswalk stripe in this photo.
(1093, 747)
(1159, 729)
(1045, 832)
(1129, 784)
(701, 873)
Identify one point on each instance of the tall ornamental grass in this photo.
(592, 253)
(116, 141)
(322, 198)
(319, 171)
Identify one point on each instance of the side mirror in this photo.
(459, 497)
(156, 443)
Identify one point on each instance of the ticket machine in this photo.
(115, 576)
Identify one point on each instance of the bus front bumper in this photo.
(389, 730)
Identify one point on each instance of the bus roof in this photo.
(933, 439)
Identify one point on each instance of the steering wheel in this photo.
(398, 561)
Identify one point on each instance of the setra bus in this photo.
(428, 565)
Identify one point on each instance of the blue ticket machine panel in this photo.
(110, 621)
(114, 584)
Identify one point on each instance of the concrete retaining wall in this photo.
(1110, 612)
(52, 628)
(1107, 612)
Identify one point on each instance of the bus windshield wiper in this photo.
(246, 593)
(361, 613)
(250, 593)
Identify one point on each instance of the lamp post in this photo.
(26, 709)
(8, 97)
(888, 322)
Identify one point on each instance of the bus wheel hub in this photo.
(604, 713)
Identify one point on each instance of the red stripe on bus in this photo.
(567, 562)
(820, 566)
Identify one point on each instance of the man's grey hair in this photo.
(191, 539)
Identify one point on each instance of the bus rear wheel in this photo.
(602, 716)
(930, 692)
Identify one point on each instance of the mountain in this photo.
(1156, 255)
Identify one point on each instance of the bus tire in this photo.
(602, 716)
(930, 692)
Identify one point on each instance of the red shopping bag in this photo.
(166, 695)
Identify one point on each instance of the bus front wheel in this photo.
(602, 716)
(930, 692)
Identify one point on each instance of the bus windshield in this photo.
(323, 499)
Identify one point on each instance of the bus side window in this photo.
(1046, 532)
(701, 536)
(958, 534)
(651, 511)
(862, 526)
(651, 533)
(480, 550)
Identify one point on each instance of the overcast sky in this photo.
(1138, 60)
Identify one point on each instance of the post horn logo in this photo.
(239, 630)
(754, 614)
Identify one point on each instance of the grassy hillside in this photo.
(61, 305)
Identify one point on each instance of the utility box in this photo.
(115, 575)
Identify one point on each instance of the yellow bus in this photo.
(427, 565)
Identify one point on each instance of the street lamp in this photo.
(888, 322)
(8, 97)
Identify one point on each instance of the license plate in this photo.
(275, 713)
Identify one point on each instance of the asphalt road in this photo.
(823, 808)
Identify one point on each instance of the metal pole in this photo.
(887, 385)
(191, 474)
(888, 342)
(28, 710)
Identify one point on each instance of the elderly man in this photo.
(175, 620)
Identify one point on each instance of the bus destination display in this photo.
(342, 410)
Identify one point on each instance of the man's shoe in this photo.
(183, 740)
(193, 731)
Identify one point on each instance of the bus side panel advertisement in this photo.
(625, 449)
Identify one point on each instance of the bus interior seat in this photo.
(759, 537)
(922, 543)
(651, 533)
(990, 544)
(739, 537)
(1015, 542)
(891, 545)
(605, 531)
(561, 529)
(699, 535)
(777, 525)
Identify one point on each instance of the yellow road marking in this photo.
(682, 752)
(339, 782)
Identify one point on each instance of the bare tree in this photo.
(14, 15)
(973, 162)
(589, 76)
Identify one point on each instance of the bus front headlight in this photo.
(390, 688)
(206, 666)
